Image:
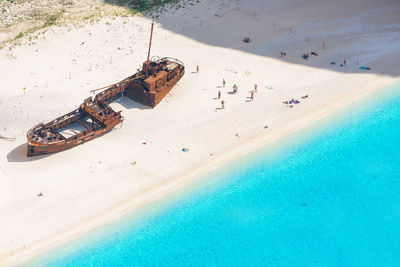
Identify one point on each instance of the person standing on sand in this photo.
(282, 53)
(255, 88)
(235, 88)
(219, 94)
(323, 45)
(252, 96)
(197, 69)
(223, 82)
(222, 104)
(344, 62)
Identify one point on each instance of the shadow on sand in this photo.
(129, 103)
(274, 19)
(18, 154)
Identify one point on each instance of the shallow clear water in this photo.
(326, 197)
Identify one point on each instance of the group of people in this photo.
(341, 65)
(235, 91)
(292, 101)
(252, 92)
(306, 56)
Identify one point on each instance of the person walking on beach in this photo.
(252, 96)
(235, 88)
(219, 94)
(255, 88)
(223, 82)
(197, 68)
(344, 62)
(222, 104)
(282, 53)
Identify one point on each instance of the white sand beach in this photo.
(96, 182)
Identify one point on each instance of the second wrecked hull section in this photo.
(37, 149)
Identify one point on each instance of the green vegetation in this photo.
(145, 5)
(52, 19)
(19, 35)
(72, 11)
(137, 6)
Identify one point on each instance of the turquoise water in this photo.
(326, 197)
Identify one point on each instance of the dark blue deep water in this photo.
(329, 196)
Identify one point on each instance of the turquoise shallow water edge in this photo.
(328, 196)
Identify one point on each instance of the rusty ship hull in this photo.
(95, 117)
(148, 86)
(152, 96)
(91, 120)
(39, 148)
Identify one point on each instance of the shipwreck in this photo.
(95, 117)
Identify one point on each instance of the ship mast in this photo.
(151, 37)
(147, 63)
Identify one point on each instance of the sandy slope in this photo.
(93, 183)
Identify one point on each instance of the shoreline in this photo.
(184, 180)
(49, 200)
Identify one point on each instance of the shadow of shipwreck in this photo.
(18, 154)
(129, 104)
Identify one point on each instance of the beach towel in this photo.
(365, 68)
